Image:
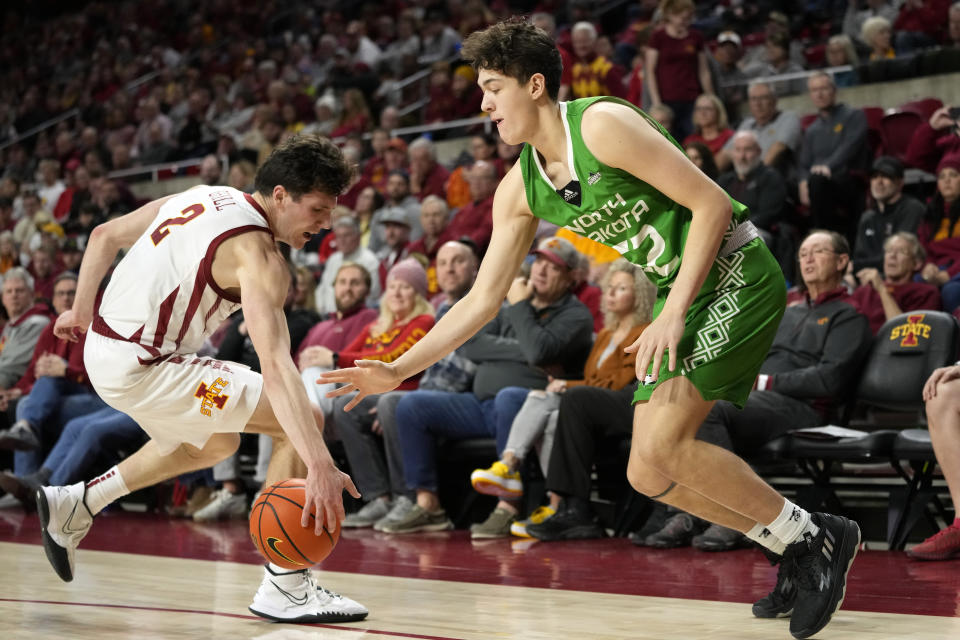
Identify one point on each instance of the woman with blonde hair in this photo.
(877, 32)
(354, 116)
(711, 128)
(627, 305)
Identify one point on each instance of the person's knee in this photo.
(942, 406)
(643, 478)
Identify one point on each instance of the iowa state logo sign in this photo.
(909, 334)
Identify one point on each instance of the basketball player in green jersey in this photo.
(602, 168)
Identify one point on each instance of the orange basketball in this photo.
(276, 531)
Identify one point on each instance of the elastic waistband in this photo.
(742, 234)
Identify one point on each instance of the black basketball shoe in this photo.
(779, 602)
(822, 563)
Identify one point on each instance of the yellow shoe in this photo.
(519, 528)
(498, 481)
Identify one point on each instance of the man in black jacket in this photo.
(812, 364)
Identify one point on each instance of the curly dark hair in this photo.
(302, 164)
(516, 49)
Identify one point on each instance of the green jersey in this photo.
(612, 206)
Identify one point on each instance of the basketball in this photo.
(276, 531)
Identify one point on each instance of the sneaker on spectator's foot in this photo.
(368, 514)
(19, 437)
(64, 521)
(295, 597)
(655, 520)
(497, 525)
(572, 521)
(398, 511)
(677, 531)
(822, 565)
(719, 538)
(498, 481)
(779, 602)
(419, 519)
(200, 497)
(224, 506)
(942, 545)
(541, 513)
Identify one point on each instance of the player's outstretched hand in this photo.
(367, 377)
(69, 326)
(323, 490)
(662, 336)
(939, 376)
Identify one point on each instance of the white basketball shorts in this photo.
(183, 399)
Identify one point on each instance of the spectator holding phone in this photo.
(936, 138)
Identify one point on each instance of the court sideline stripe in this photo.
(399, 634)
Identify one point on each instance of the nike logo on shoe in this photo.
(290, 597)
(66, 529)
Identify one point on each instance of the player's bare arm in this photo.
(102, 247)
(619, 136)
(513, 230)
(251, 263)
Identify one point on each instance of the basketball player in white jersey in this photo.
(191, 258)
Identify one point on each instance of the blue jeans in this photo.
(425, 416)
(50, 404)
(85, 438)
(950, 294)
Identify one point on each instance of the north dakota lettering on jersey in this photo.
(616, 208)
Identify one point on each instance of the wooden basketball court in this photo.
(145, 576)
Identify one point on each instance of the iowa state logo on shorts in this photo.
(211, 397)
(909, 334)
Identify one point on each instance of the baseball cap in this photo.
(729, 36)
(888, 166)
(396, 215)
(559, 252)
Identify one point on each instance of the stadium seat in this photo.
(896, 130)
(913, 446)
(923, 107)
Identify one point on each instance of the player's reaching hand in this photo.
(661, 336)
(70, 325)
(367, 377)
(323, 490)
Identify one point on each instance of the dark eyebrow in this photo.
(489, 80)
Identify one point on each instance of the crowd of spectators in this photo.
(409, 232)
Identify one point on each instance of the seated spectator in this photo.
(51, 186)
(893, 211)
(396, 194)
(158, 148)
(84, 443)
(834, 149)
(592, 74)
(482, 147)
(764, 192)
(662, 114)
(777, 61)
(701, 156)
(457, 260)
(241, 176)
(25, 324)
(941, 393)
(935, 138)
(354, 115)
(475, 220)
(859, 12)
(34, 217)
(384, 491)
(7, 222)
(587, 293)
(920, 24)
(434, 219)
(882, 297)
(731, 80)
(840, 52)
(953, 26)
(877, 33)
(778, 132)
(396, 235)
(628, 297)
(427, 176)
(710, 127)
(543, 330)
(806, 375)
(45, 267)
(347, 232)
(940, 233)
(9, 253)
(439, 40)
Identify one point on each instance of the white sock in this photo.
(104, 490)
(278, 570)
(762, 536)
(792, 523)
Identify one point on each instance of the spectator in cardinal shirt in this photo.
(427, 176)
(475, 220)
(881, 297)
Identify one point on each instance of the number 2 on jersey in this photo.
(162, 231)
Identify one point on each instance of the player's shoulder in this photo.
(601, 115)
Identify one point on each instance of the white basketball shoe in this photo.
(295, 597)
(64, 521)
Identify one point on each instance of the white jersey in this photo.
(162, 296)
